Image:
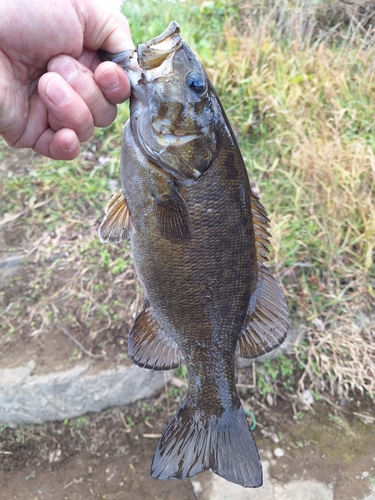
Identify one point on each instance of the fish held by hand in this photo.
(199, 239)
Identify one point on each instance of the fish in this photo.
(199, 238)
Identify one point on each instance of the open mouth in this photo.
(153, 53)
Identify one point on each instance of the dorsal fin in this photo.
(149, 346)
(116, 225)
(266, 321)
(261, 224)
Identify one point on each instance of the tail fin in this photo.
(224, 444)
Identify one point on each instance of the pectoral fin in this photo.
(172, 215)
(116, 225)
(150, 347)
(266, 322)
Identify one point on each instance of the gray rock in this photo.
(27, 398)
(308, 490)
(307, 397)
(12, 262)
(213, 487)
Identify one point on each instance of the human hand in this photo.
(53, 87)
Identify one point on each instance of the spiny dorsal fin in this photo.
(261, 222)
(172, 215)
(150, 347)
(116, 225)
(266, 322)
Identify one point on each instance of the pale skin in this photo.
(53, 88)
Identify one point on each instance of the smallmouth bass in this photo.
(199, 238)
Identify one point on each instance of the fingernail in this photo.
(66, 67)
(72, 144)
(56, 93)
(109, 80)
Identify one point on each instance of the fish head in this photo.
(172, 106)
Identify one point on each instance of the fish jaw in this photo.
(149, 61)
(154, 53)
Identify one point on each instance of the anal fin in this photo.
(266, 322)
(150, 347)
(172, 215)
(116, 225)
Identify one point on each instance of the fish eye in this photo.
(196, 83)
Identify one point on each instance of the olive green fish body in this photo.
(198, 291)
(198, 236)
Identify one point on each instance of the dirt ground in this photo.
(108, 455)
(56, 278)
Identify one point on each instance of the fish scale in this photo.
(199, 240)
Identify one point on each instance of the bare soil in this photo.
(108, 455)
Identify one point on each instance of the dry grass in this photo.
(308, 23)
(69, 280)
(70, 284)
(341, 357)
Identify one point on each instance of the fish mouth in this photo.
(152, 54)
(149, 60)
(147, 56)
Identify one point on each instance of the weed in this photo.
(173, 392)
(146, 408)
(119, 266)
(130, 421)
(275, 373)
(264, 386)
(334, 419)
(77, 423)
(181, 372)
(75, 355)
(285, 365)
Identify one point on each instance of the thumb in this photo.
(14, 103)
(104, 28)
